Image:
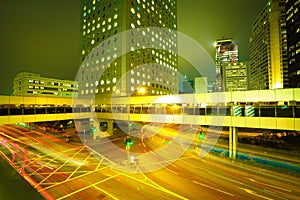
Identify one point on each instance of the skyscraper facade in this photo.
(226, 52)
(293, 41)
(268, 48)
(235, 76)
(144, 65)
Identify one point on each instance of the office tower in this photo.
(235, 76)
(32, 84)
(268, 48)
(153, 70)
(201, 85)
(293, 41)
(187, 86)
(226, 52)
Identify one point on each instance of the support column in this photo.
(230, 142)
(108, 128)
(233, 140)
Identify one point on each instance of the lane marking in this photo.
(67, 161)
(171, 171)
(89, 186)
(71, 179)
(254, 193)
(213, 188)
(78, 167)
(107, 193)
(156, 186)
(273, 186)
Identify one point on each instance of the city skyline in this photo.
(41, 37)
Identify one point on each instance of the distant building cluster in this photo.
(274, 52)
(32, 84)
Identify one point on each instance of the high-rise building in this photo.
(235, 76)
(32, 84)
(293, 41)
(226, 52)
(268, 48)
(188, 86)
(201, 85)
(144, 65)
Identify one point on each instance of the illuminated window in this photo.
(132, 10)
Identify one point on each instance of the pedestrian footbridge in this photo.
(265, 109)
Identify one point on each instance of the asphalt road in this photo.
(99, 170)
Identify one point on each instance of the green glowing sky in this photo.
(42, 36)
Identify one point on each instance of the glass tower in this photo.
(131, 63)
(293, 40)
(226, 52)
(268, 48)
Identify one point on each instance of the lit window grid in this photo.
(92, 21)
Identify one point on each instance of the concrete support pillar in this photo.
(233, 140)
(108, 130)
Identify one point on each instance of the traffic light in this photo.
(201, 135)
(128, 143)
(130, 125)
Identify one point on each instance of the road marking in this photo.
(254, 193)
(78, 167)
(91, 185)
(213, 188)
(273, 186)
(109, 194)
(156, 186)
(153, 152)
(66, 161)
(71, 179)
(171, 171)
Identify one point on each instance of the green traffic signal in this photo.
(201, 135)
(128, 142)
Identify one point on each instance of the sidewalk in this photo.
(13, 186)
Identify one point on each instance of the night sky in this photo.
(42, 36)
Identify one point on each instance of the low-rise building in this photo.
(32, 84)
